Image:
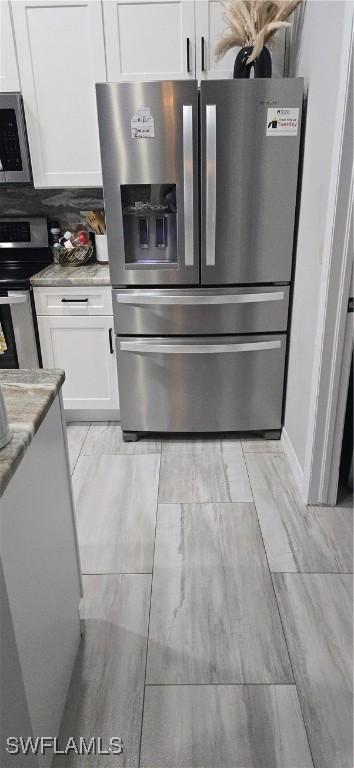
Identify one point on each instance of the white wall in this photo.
(316, 56)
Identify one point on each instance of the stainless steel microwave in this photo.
(15, 163)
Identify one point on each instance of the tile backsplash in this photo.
(62, 205)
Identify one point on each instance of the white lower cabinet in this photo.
(83, 345)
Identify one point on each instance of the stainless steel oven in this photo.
(15, 164)
(23, 252)
(18, 326)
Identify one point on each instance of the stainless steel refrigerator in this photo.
(200, 193)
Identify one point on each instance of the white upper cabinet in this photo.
(210, 25)
(61, 55)
(9, 79)
(149, 39)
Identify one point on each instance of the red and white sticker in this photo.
(282, 121)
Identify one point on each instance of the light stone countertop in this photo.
(28, 395)
(87, 274)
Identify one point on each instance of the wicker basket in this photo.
(74, 257)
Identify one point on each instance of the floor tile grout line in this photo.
(85, 438)
(148, 625)
(118, 573)
(149, 573)
(294, 676)
(82, 445)
(280, 617)
(218, 685)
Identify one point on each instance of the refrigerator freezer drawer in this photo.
(201, 384)
(200, 311)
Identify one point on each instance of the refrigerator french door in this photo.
(200, 191)
(149, 151)
(248, 179)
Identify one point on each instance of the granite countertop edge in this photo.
(28, 395)
(91, 274)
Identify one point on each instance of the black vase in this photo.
(262, 65)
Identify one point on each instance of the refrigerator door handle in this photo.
(188, 184)
(210, 183)
(193, 349)
(227, 298)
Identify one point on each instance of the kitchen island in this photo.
(40, 583)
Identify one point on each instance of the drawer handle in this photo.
(199, 349)
(74, 301)
(226, 298)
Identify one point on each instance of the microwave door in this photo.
(14, 152)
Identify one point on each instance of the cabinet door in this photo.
(9, 79)
(61, 56)
(149, 39)
(210, 26)
(83, 347)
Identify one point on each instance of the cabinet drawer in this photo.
(95, 300)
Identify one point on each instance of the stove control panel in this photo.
(15, 232)
(23, 232)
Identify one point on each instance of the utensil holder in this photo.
(101, 249)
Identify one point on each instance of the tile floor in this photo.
(217, 608)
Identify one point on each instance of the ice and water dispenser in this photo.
(149, 224)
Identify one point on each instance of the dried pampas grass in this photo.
(253, 22)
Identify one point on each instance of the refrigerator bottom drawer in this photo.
(201, 384)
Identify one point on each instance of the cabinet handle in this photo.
(74, 301)
(203, 53)
(188, 55)
(111, 348)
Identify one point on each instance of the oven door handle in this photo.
(226, 298)
(15, 298)
(196, 349)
